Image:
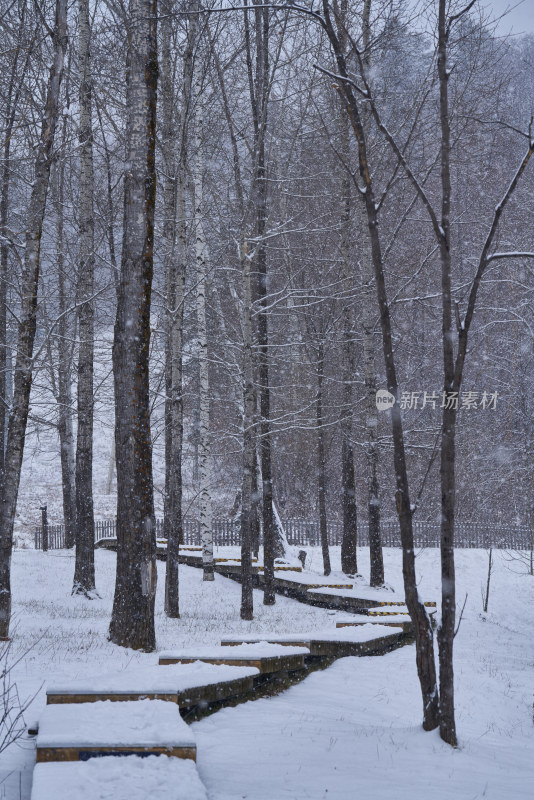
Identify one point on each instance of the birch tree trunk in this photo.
(10, 479)
(201, 255)
(132, 621)
(84, 569)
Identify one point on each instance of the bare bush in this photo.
(12, 708)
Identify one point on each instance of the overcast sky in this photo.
(520, 18)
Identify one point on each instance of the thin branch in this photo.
(461, 615)
(338, 77)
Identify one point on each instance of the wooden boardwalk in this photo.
(137, 713)
(143, 712)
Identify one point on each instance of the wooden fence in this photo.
(305, 533)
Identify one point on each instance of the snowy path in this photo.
(353, 729)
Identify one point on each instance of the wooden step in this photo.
(185, 684)
(267, 658)
(128, 778)
(396, 613)
(74, 732)
(331, 643)
(363, 619)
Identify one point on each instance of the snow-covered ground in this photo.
(350, 731)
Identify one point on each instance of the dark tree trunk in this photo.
(259, 89)
(10, 478)
(423, 631)
(375, 540)
(11, 100)
(349, 561)
(447, 465)
(376, 558)
(64, 379)
(448, 594)
(84, 569)
(249, 449)
(255, 522)
(174, 261)
(321, 462)
(132, 622)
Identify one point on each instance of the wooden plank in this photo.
(405, 625)
(46, 754)
(328, 645)
(265, 664)
(59, 697)
(216, 692)
(70, 732)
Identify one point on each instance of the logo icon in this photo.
(384, 400)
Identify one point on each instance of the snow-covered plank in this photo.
(308, 581)
(389, 612)
(128, 778)
(267, 658)
(396, 621)
(185, 684)
(338, 643)
(73, 732)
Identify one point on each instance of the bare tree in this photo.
(84, 570)
(62, 385)
(175, 259)
(249, 449)
(454, 337)
(10, 477)
(132, 622)
(423, 631)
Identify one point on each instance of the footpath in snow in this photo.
(352, 730)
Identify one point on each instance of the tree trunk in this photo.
(11, 100)
(255, 521)
(376, 558)
(321, 461)
(84, 569)
(10, 479)
(201, 252)
(249, 449)
(371, 423)
(132, 622)
(259, 98)
(168, 144)
(423, 630)
(175, 266)
(349, 560)
(447, 726)
(64, 379)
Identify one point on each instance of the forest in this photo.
(282, 254)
